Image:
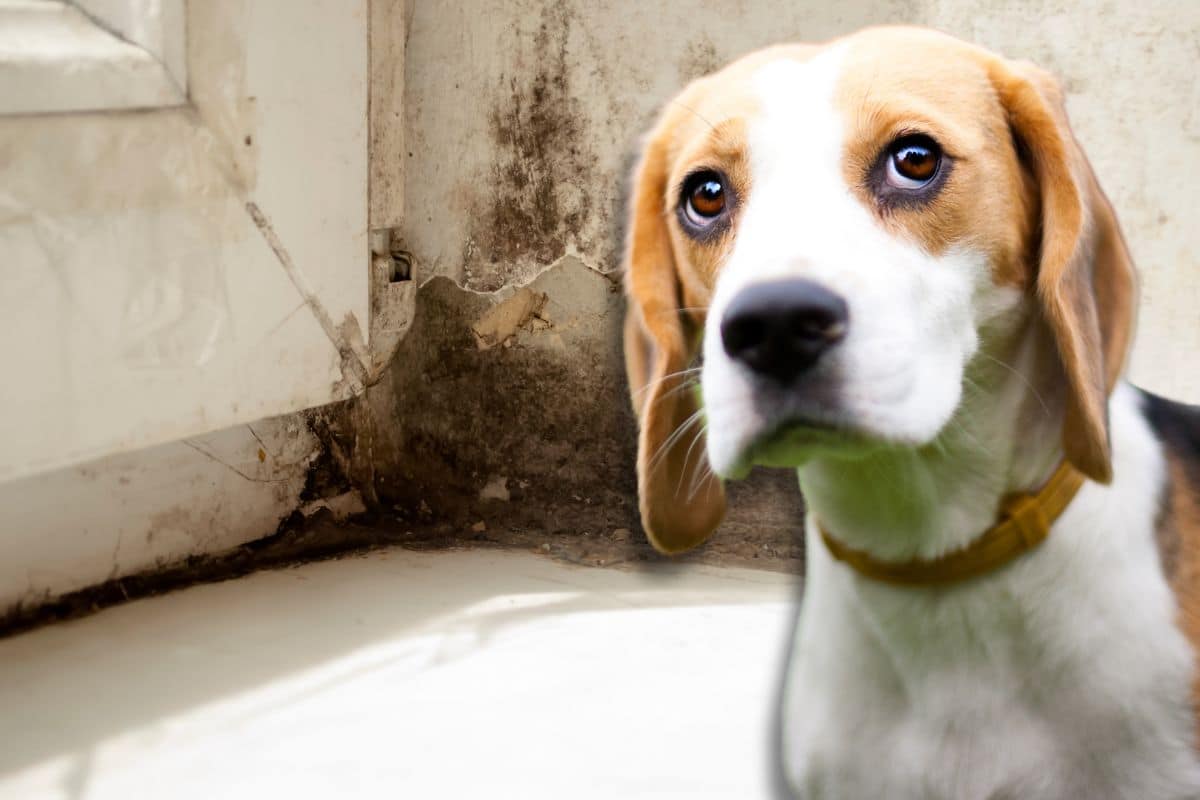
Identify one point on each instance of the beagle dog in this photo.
(885, 262)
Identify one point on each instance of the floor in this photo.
(408, 674)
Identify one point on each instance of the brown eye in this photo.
(912, 162)
(703, 198)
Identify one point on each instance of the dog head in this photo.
(838, 229)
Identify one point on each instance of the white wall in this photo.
(146, 305)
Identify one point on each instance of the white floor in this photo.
(415, 675)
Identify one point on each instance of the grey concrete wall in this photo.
(522, 117)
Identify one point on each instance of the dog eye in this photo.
(703, 198)
(912, 162)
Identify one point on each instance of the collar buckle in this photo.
(1026, 514)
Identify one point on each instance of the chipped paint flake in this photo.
(505, 319)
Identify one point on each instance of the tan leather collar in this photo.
(1025, 521)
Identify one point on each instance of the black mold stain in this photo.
(539, 197)
(700, 58)
(557, 424)
(328, 474)
(298, 540)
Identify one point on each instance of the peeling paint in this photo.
(502, 321)
(341, 507)
(496, 489)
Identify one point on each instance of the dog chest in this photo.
(1055, 679)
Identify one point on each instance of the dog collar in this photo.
(1025, 521)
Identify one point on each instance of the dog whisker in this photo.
(671, 440)
(691, 371)
(1024, 379)
(699, 437)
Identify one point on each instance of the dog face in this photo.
(840, 229)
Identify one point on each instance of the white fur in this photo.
(1060, 676)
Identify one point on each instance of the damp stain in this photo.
(699, 58)
(536, 201)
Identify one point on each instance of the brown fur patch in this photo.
(679, 505)
(897, 82)
(1178, 530)
(1179, 545)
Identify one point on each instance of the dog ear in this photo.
(681, 501)
(1085, 277)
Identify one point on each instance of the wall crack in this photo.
(346, 338)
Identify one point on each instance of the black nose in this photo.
(779, 329)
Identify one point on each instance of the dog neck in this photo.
(899, 503)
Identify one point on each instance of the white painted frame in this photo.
(172, 277)
(91, 55)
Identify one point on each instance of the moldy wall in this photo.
(521, 123)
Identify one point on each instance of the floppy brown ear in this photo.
(1085, 277)
(681, 501)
